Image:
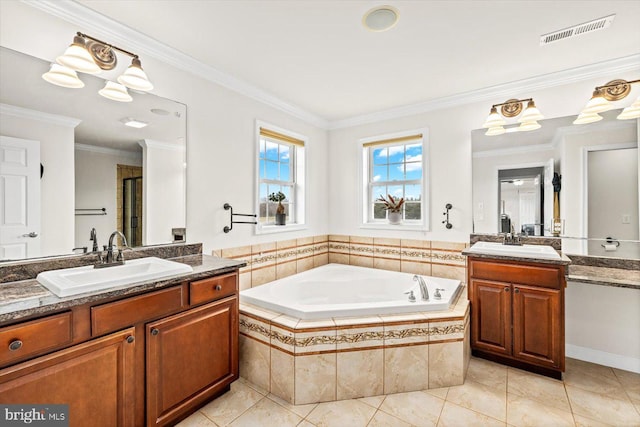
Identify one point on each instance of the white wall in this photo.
(96, 175)
(57, 183)
(602, 325)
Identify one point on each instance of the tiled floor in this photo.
(492, 395)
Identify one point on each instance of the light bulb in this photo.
(115, 92)
(63, 76)
(135, 77)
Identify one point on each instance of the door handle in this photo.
(32, 234)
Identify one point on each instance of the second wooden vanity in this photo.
(146, 359)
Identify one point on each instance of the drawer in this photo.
(548, 277)
(35, 337)
(212, 289)
(119, 314)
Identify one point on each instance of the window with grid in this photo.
(395, 167)
(280, 166)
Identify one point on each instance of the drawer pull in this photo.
(218, 288)
(15, 345)
(130, 339)
(155, 331)
(506, 289)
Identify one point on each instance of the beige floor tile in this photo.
(523, 412)
(232, 404)
(382, 419)
(416, 407)
(545, 390)
(630, 382)
(603, 408)
(374, 401)
(254, 386)
(457, 416)
(267, 413)
(302, 410)
(582, 421)
(341, 413)
(306, 423)
(487, 373)
(197, 420)
(575, 365)
(438, 392)
(597, 380)
(480, 398)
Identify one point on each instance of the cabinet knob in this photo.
(506, 289)
(517, 291)
(15, 345)
(218, 288)
(155, 331)
(130, 339)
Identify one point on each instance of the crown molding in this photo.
(150, 143)
(78, 14)
(26, 113)
(109, 151)
(544, 81)
(120, 34)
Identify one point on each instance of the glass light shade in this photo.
(529, 126)
(78, 58)
(135, 77)
(115, 92)
(584, 118)
(597, 103)
(631, 112)
(497, 130)
(494, 119)
(531, 114)
(62, 76)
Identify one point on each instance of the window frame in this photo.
(367, 174)
(297, 174)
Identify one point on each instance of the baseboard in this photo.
(603, 358)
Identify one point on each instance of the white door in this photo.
(19, 198)
(549, 198)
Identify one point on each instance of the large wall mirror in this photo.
(94, 170)
(594, 194)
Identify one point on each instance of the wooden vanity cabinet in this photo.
(150, 359)
(517, 314)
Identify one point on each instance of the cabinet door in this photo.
(190, 357)
(537, 325)
(94, 378)
(491, 316)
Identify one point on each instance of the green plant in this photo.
(391, 204)
(278, 197)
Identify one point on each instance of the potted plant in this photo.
(281, 217)
(393, 207)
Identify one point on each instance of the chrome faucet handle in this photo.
(437, 294)
(412, 297)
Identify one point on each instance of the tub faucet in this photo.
(423, 287)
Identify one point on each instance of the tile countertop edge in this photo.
(40, 301)
(602, 282)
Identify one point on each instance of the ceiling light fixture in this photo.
(512, 108)
(602, 98)
(381, 18)
(89, 55)
(133, 123)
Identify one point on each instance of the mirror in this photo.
(597, 205)
(96, 172)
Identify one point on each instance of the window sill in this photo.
(272, 229)
(386, 226)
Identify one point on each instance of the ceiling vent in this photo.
(577, 30)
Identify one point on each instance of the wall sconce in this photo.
(601, 101)
(512, 108)
(89, 55)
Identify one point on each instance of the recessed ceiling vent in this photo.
(577, 30)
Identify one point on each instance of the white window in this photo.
(396, 166)
(281, 165)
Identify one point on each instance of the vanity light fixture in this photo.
(512, 108)
(602, 98)
(89, 55)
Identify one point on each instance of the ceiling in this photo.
(317, 55)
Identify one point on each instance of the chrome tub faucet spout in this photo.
(423, 287)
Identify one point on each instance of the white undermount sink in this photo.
(78, 280)
(528, 251)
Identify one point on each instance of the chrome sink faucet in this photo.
(423, 287)
(108, 260)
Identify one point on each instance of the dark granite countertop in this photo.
(604, 276)
(564, 260)
(26, 298)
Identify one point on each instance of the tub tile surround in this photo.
(275, 260)
(313, 361)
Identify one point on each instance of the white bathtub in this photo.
(337, 290)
